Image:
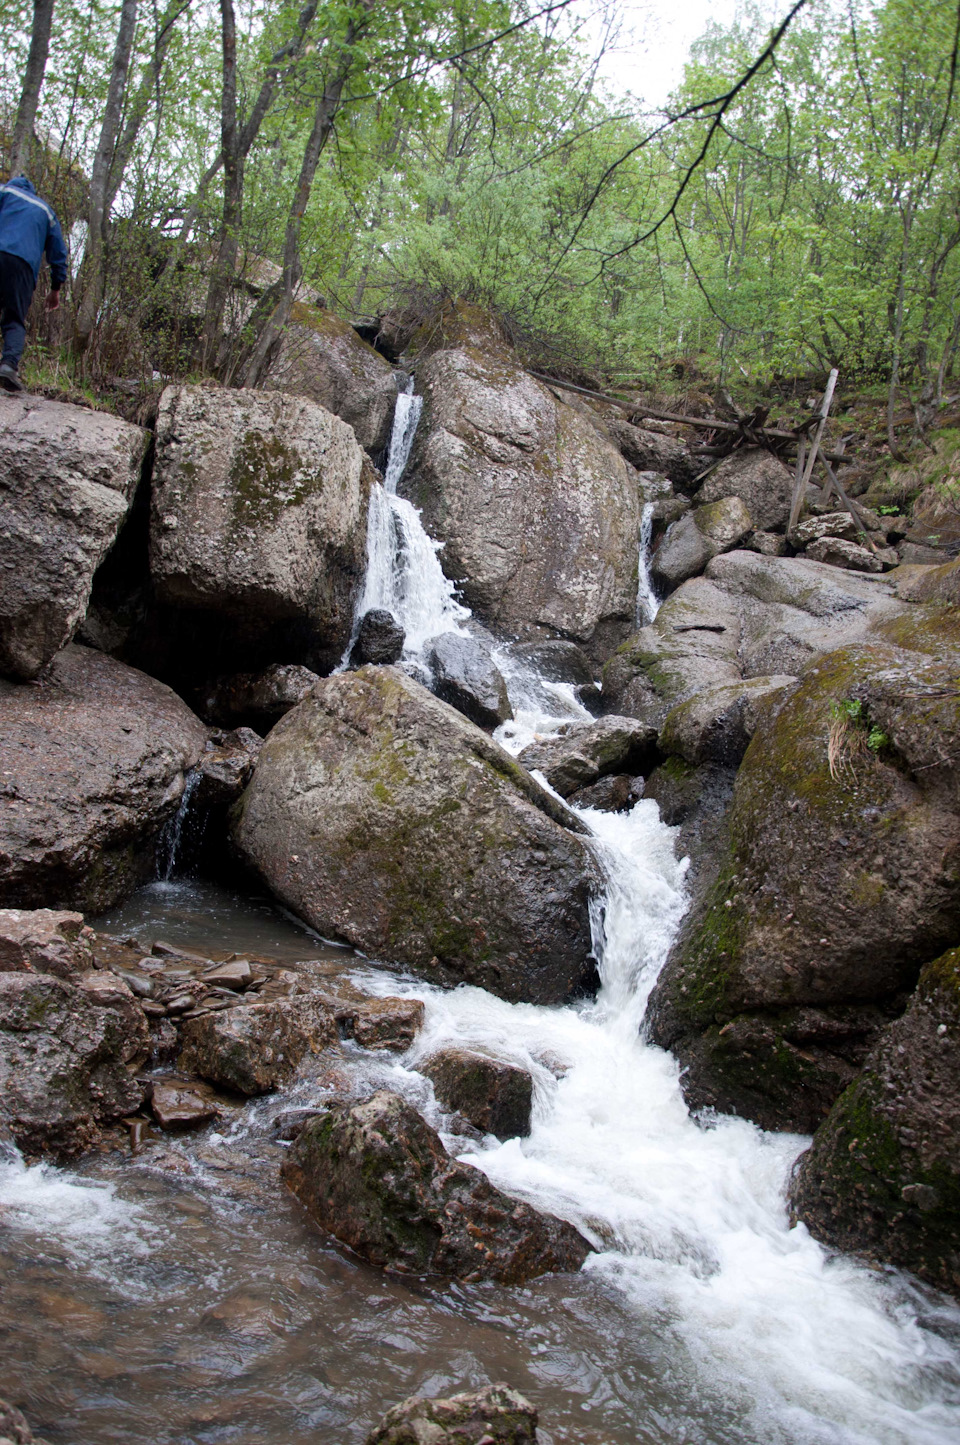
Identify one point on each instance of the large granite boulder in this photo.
(67, 478)
(580, 755)
(759, 479)
(377, 1177)
(68, 1056)
(94, 760)
(691, 542)
(256, 699)
(495, 1415)
(841, 879)
(382, 816)
(716, 725)
(255, 1049)
(321, 357)
(654, 451)
(465, 676)
(538, 513)
(883, 1176)
(259, 518)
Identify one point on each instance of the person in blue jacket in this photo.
(29, 230)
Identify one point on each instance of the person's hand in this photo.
(53, 301)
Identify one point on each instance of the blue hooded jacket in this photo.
(29, 229)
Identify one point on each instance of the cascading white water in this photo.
(648, 604)
(403, 574)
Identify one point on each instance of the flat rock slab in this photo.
(180, 1106)
(492, 1095)
(382, 816)
(376, 1176)
(255, 1048)
(94, 759)
(495, 1415)
(67, 478)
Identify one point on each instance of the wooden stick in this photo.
(803, 480)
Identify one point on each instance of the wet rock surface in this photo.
(226, 766)
(382, 816)
(495, 1415)
(376, 1176)
(499, 458)
(883, 1175)
(258, 519)
(492, 1095)
(95, 756)
(715, 726)
(380, 639)
(67, 478)
(578, 757)
(840, 880)
(465, 676)
(254, 1049)
(383, 1023)
(257, 699)
(44, 940)
(14, 1427)
(181, 1106)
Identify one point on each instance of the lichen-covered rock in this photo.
(691, 542)
(67, 1060)
(883, 1175)
(321, 357)
(931, 583)
(67, 478)
(382, 816)
(376, 1176)
(759, 479)
(44, 940)
(837, 553)
(716, 725)
(257, 1047)
(465, 676)
(831, 524)
(256, 699)
(581, 755)
(492, 1095)
(259, 517)
(380, 638)
(94, 759)
(538, 513)
(843, 875)
(495, 1415)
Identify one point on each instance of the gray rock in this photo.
(14, 1428)
(537, 512)
(181, 1106)
(465, 676)
(255, 1049)
(691, 542)
(831, 524)
(67, 478)
(67, 1056)
(495, 1415)
(380, 639)
(837, 553)
(44, 940)
(259, 516)
(580, 756)
(654, 451)
(382, 816)
(716, 725)
(226, 768)
(913, 554)
(556, 661)
(377, 1177)
(883, 1175)
(616, 793)
(493, 1096)
(321, 357)
(768, 544)
(759, 479)
(95, 756)
(257, 699)
(653, 487)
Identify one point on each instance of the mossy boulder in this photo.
(883, 1175)
(842, 878)
(381, 815)
(259, 518)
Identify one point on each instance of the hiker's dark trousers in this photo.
(17, 286)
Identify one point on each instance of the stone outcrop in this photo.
(256, 699)
(581, 755)
(465, 676)
(376, 1176)
(44, 940)
(495, 1415)
(383, 1023)
(380, 639)
(255, 1049)
(690, 543)
(68, 1055)
(762, 482)
(498, 461)
(931, 584)
(322, 357)
(259, 518)
(883, 1176)
(493, 1096)
(67, 478)
(94, 759)
(382, 816)
(840, 881)
(716, 725)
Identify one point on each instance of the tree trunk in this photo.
(32, 82)
(91, 275)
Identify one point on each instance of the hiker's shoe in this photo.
(9, 379)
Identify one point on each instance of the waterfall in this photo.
(648, 604)
(172, 834)
(403, 574)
